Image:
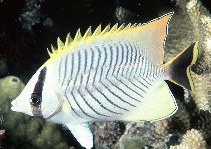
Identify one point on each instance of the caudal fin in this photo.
(179, 67)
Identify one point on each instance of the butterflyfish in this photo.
(113, 74)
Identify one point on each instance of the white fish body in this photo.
(114, 74)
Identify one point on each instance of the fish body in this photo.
(112, 75)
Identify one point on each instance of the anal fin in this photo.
(159, 103)
(82, 133)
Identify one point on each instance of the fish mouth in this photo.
(16, 106)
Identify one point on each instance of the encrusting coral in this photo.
(11, 86)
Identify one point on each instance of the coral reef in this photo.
(11, 86)
(196, 27)
(147, 134)
(34, 132)
(201, 121)
(203, 34)
(32, 14)
(122, 15)
(107, 134)
(192, 139)
(131, 142)
(176, 124)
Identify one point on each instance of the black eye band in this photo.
(36, 96)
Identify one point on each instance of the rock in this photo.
(133, 142)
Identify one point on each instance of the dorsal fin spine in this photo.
(50, 54)
(87, 34)
(134, 25)
(68, 40)
(97, 31)
(77, 37)
(128, 26)
(106, 29)
(114, 28)
(60, 44)
(121, 27)
(70, 43)
(53, 49)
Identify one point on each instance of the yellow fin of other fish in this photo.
(159, 104)
(152, 36)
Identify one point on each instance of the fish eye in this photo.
(35, 100)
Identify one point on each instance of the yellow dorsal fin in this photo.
(158, 25)
(53, 49)
(60, 44)
(87, 34)
(77, 36)
(134, 25)
(97, 31)
(106, 29)
(68, 40)
(114, 28)
(50, 54)
(121, 27)
(127, 27)
(70, 43)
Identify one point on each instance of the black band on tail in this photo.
(179, 67)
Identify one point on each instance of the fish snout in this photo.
(14, 104)
(19, 106)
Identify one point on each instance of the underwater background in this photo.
(28, 27)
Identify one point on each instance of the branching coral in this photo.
(200, 120)
(32, 14)
(201, 22)
(122, 14)
(192, 139)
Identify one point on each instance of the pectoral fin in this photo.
(82, 133)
